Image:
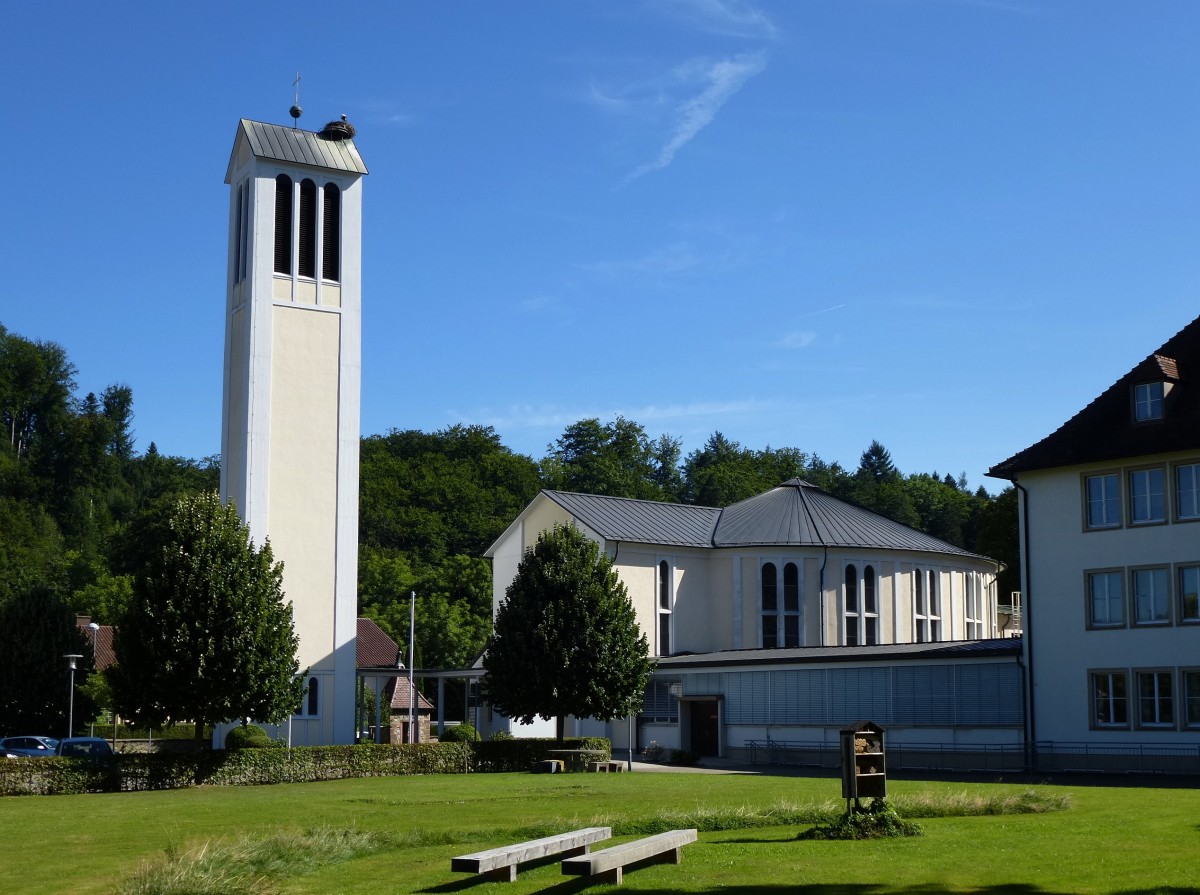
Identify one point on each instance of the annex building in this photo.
(1110, 542)
(778, 620)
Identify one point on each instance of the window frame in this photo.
(1189, 698)
(1182, 617)
(1135, 595)
(1132, 476)
(1152, 396)
(1112, 675)
(765, 614)
(1103, 476)
(1090, 603)
(1177, 491)
(1159, 675)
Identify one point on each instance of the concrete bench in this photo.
(608, 864)
(501, 863)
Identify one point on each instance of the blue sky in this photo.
(943, 224)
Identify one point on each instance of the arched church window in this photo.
(308, 229)
(331, 232)
(664, 608)
(314, 696)
(770, 606)
(792, 612)
(870, 607)
(852, 614)
(283, 224)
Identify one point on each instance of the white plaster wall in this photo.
(1063, 649)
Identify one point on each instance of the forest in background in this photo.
(74, 495)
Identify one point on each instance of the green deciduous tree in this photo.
(37, 628)
(208, 635)
(617, 459)
(566, 639)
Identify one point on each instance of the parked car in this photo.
(83, 747)
(35, 746)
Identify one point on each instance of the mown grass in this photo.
(398, 834)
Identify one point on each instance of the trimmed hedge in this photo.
(131, 771)
(520, 754)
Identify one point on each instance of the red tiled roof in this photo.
(101, 640)
(1105, 430)
(400, 697)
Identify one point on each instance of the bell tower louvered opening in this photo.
(283, 224)
(331, 233)
(308, 229)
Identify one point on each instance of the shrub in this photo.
(876, 821)
(682, 757)
(248, 736)
(459, 733)
(502, 735)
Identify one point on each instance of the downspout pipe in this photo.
(1027, 633)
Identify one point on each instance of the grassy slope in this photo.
(1111, 840)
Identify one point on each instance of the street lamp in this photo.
(71, 659)
(95, 629)
(414, 734)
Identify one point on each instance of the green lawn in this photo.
(1111, 839)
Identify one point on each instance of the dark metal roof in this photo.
(796, 514)
(644, 521)
(291, 144)
(1105, 429)
(890, 652)
(373, 648)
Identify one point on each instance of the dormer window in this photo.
(1148, 402)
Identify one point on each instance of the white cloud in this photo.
(797, 339)
(732, 18)
(719, 81)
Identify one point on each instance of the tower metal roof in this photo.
(296, 146)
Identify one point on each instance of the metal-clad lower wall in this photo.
(962, 695)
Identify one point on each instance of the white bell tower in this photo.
(290, 426)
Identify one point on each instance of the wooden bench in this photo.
(607, 864)
(501, 863)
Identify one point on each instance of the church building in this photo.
(290, 426)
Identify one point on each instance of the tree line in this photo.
(78, 504)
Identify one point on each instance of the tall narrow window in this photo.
(308, 229)
(283, 224)
(239, 253)
(664, 608)
(314, 696)
(920, 608)
(1187, 491)
(1106, 600)
(870, 607)
(974, 609)
(791, 605)
(770, 606)
(852, 615)
(1191, 698)
(331, 233)
(1146, 503)
(1151, 605)
(1189, 593)
(1155, 703)
(1110, 705)
(935, 607)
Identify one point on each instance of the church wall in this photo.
(303, 471)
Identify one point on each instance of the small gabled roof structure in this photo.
(373, 648)
(329, 148)
(400, 700)
(1106, 429)
(794, 514)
